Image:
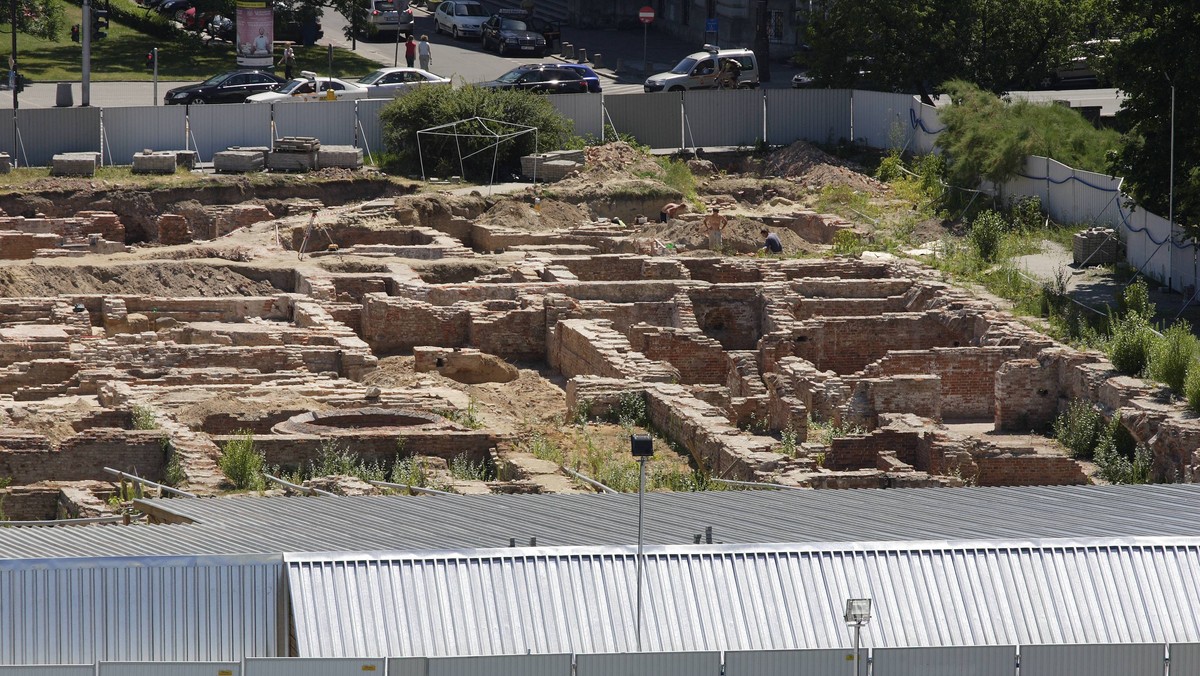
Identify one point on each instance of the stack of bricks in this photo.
(173, 229)
(553, 166)
(1095, 246)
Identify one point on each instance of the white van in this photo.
(700, 71)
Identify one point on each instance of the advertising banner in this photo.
(255, 33)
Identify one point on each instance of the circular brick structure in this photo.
(371, 420)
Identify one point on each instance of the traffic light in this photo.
(99, 23)
(151, 57)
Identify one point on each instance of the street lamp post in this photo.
(642, 447)
(858, 614)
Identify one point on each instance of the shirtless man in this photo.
(668, 212)
(715, 224)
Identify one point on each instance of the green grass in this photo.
(122, 56)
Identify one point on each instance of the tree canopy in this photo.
(914, 45)
(1155, 52)
(39, 18)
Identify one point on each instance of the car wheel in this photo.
(197, 101)
(500, 48)
(437, 26)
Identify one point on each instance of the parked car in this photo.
(802, 80)
(387, 82)
(459, 18)
(589, 76)
(231, 87)
(699, 71)
(309, 87)
(505, 34)
(386, 16)
(541, 78)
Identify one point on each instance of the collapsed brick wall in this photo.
(21, 246)
(699, 359)
(918, 395)
(582, 347)
(845, 345)
(29, 458)
(295, 451)
(968, 375)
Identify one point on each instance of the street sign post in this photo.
(646, 16)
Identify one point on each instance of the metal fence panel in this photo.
(1148, 244)
(586, 111)
(314, 666)
(370, 133)
(723, 118)
(882, 119)
(45, 132)
(330, 121)
(649, 664)
(1133, 659)
(187, 609)
(407, 666)
(48, 670)
(1184, 263)
(816, 115)
(655, 120)
(501, 665)
(215, 128)
(927, 125)
(788, 662)
(994, 660)
(129, 130)
(169, 669)
(6, 136)
(1185, 658)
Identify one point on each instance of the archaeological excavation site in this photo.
(359, 337)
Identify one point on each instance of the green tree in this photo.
(914, 45)
(1155, 52)
(40, 18)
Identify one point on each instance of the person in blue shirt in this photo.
(772, 243)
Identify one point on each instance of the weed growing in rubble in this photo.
(544, 449)
(824, 432)
(143, 418)
(174, 474)
(334, 459)
(1174, 355)
(410, 471)
(468, 417)
(581, 413)
(631, 411)
(1078, 428)
(788, 444)
(241, 463)
(465, 469)
(848, 243)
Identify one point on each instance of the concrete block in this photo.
(5, 163)
(150, 162)
(74, 164)
(238, 161)
(287, 161)
(345, 157)
(186, 158)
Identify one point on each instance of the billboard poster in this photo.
(255, 33)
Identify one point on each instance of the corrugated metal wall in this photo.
(723, 118)
(215, 128)
(1185, 267)
(130, 130)
(45, 132)
(658, 664)
(330, 121)
(882, 120)
(300, 666)
(407, 666)
(1185, 659)
(818, 115)
(49, 670)
(370, 126)
(171, 668)
(1138, 659)
(501, 665)
(186, 609)
(790, 662)
(997, 660)
(654, 119)
(585, 110)
(6, 137)
(927, 124)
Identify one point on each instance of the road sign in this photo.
(646, 14)
(710, 26)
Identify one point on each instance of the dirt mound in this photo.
(814, 167)
(742, 235)
(618, 158)
(154, 279)
(519, 214)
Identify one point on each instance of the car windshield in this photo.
(218, 79)
(512, 75)
(684, 67)
(512, 25)
(295, 86)
(469, 10)
(370, 79)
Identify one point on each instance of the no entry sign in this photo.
(646, 14)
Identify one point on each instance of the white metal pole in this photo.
(645, 32)
(1171, 181)
(641, 522)
(155, 52)
(85, 93)
(857, 643)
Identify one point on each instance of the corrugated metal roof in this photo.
(513, 601)
(320, 524)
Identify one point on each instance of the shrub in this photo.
(463, 468)
(432, 106)
(848, 243)
(986, 232)
(1135, 301)
(631, 411)
(1173, 355)
(1130, 344)
(1078, 428)
(891, 168)
(1121, 469)
(143, 418)
(1191, 386)
(410, 471)
(241, 464)
(1027, 213)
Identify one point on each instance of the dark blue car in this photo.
(589, 76)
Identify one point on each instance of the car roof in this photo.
(724, 52)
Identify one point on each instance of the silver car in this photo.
(389, 82)
(385, 16)
(460, 18)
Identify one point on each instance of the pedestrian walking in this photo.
(715, 224)
(410, 51)
(288, 60)
(424, 52)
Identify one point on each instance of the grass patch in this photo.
(241, 463)
(122, 55)
(847, 203)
